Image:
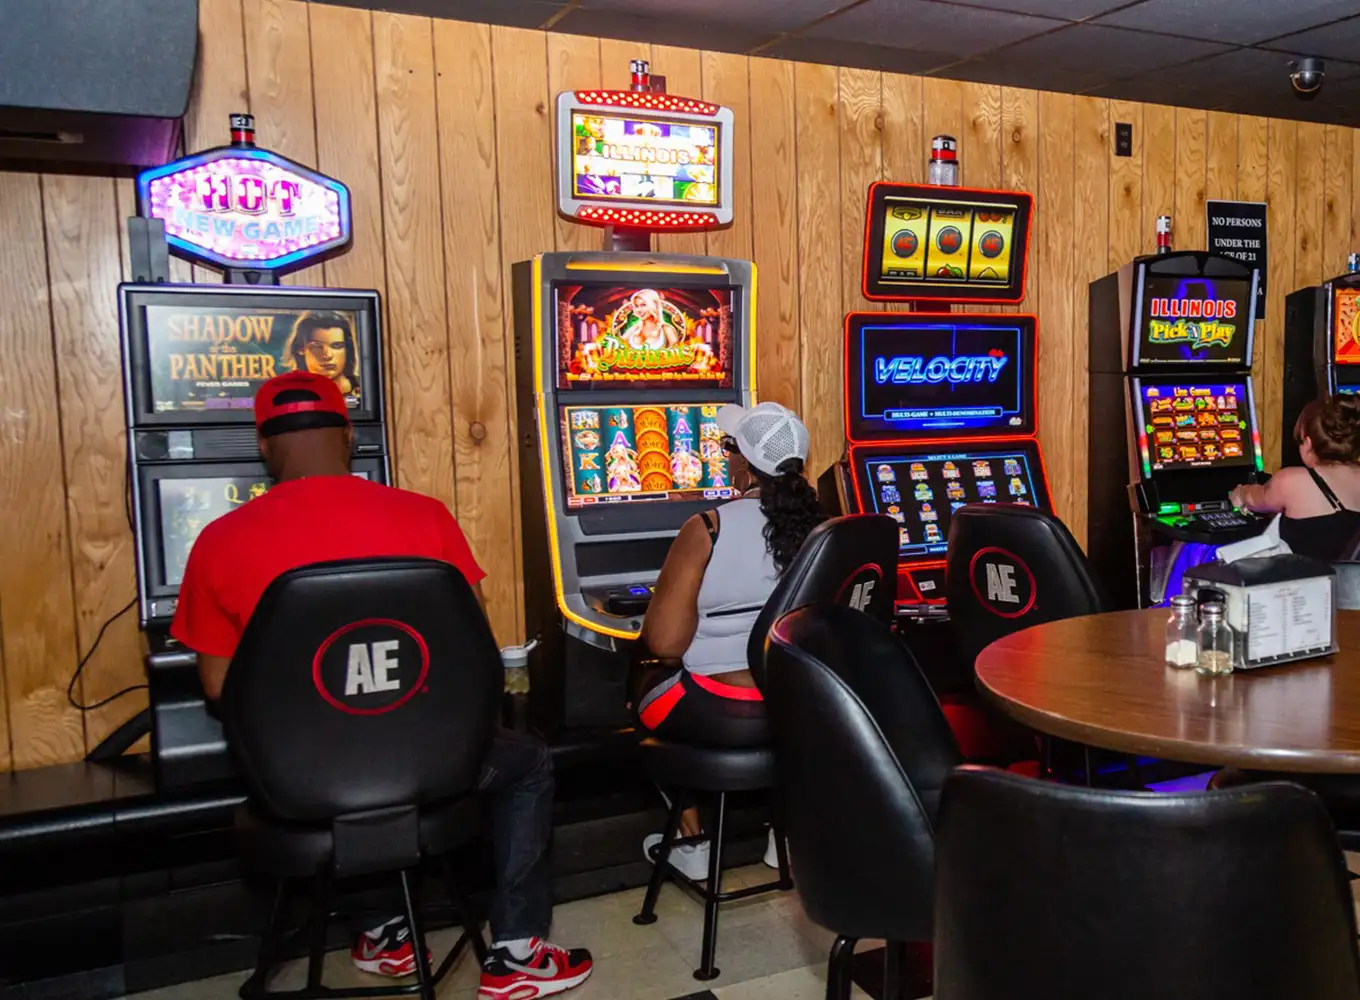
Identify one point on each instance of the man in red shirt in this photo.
(316, 512)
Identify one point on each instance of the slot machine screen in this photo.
(943, 374)
(1194, 320)
(651, 452)
(199, 356)
(1346, 327)
(635, 337)
(921, 488)
(621, 156)
(1206, 424)
(957, 244)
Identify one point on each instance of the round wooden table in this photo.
(1101, 680)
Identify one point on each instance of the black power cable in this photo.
(80, 667)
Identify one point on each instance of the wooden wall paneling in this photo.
(525, 173)
(346, 107)
(83, 260)
(1220, 179)
(1062, 341)
(573, 64)
(219, 90)
(1126, 188)
(1282, 138)
(1020, 129)
(1251, 186)
(1336, 207)
(683, 70)
(725, 82)
(1091, 145)
(861, 156)
(279, 74)
(417, 328)
(1309, 194)
(906, 148)
(980, 144)
(819, 255)
(1159, 180)
(1191, 169)
(479, 354)
(36, 613)
(942, 112)
(774, 231)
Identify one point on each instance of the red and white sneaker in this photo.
(548, 970)
(385, 950)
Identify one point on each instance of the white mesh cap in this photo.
(767, 434)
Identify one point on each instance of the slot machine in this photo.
(1172, 419)
(1321, 349)
(940, 407)
(623, 358)
(193, 357)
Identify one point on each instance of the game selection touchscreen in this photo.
(634, 158)
(188, 505)
(916, 377)
(921, 492)
(612, 336)
(1194, 426)
(947, 242)
(643, 452)
(1193, 320)
(212, 359)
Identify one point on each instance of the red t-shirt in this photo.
(299, 522)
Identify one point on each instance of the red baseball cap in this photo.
(298, 401)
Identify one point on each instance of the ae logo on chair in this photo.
(858, 589)
(1002, 582)
(371, 667)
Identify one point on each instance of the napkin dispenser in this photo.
(1281, 607)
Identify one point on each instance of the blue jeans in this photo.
(518, 777)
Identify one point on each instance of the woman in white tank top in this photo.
(718, 574)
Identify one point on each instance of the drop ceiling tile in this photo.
(515, 13)
(857, 54)
(693, 33)
(1335, 41)
(927, 26)
(1035, 76)
(1067, 10)
(1248, 71)
(774, 18)
(1113, 52)
(1242, 22)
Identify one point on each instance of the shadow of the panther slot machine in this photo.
(623, 358)
(193, 358)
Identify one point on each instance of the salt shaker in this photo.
(1182, 634)
(1215, 641)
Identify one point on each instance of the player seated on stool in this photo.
(719, 572)
(318, 512)
(1321, 501)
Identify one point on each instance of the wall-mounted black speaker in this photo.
(99, 82)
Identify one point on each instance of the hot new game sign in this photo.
(245, 208)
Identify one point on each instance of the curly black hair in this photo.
(791, 510)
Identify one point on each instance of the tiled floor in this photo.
(767, 950)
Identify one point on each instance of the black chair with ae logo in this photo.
(850, 561)
(359, 707)
(1008, 567)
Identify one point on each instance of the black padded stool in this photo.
(359, 707)
(845, 560)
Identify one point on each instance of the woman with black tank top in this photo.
(1321, 501)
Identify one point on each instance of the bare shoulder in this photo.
(1290, 476)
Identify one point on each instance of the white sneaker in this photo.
(772, 852)
(690, 860)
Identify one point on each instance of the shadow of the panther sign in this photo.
(370, 667)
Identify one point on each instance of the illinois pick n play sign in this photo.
(371, 667)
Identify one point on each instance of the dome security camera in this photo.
(1306, 77)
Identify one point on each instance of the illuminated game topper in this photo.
(939, 375)
(1346, 327)
(643, 160)
(1185, 320)
(945, 243)
(241, 208)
